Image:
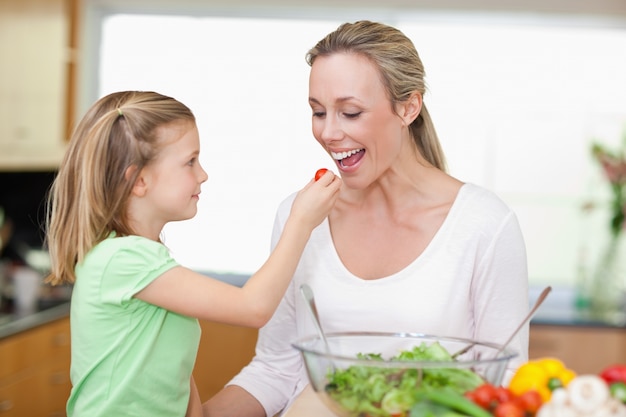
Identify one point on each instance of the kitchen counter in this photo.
(557, 310)
(12, 323)
(46, 312)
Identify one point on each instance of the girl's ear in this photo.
(140, 187)
(410, 109)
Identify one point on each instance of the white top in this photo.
(470, 282)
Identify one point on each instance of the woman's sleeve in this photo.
(272, 375)
(500, 291)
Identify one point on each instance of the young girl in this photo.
(131, 167)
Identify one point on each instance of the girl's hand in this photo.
(316, 199)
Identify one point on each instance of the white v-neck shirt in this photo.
(471, 281)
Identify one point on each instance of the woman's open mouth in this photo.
(348, 158)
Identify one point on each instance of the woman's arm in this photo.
(233, 401)
(194, 409)
(501, 295)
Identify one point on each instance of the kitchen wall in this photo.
(513, 114)
(547, 198)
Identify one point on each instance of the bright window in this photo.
(515, 105)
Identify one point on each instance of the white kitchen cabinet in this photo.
(34, 39)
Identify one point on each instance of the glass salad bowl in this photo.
(374, 374)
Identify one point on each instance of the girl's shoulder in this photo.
(138, 245)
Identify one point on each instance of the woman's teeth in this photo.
(342, 155)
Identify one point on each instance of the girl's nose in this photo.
(203, 175)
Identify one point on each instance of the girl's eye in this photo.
(191, 162)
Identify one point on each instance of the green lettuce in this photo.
(382, 392)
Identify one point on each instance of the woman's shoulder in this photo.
(481, 211)
(475, 197)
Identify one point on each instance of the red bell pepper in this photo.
(614, 373)
(615, 377)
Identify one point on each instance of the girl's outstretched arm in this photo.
(187, 292)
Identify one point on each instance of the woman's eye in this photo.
(352, 115)
(319, 114)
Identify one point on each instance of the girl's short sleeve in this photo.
(134, 263)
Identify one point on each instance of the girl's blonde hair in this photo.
(118, 136)
(400, 68)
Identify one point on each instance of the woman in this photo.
(407, 247)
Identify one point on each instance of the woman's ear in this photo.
(410, 109)
(139, 187)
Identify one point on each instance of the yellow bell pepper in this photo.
(542, 375)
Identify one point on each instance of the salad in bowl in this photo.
(374, 374)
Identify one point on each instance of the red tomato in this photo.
(319, 173)
(470, 395)
(530, 401)
(508, 409)
(504, 394)
(614, 373)
(485, 396)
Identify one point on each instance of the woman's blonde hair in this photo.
(400, 68)
(117, 137)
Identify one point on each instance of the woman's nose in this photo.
(331, 129)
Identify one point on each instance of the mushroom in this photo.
(556, 410)
(612, 408)
(588, 393)
(585, 396)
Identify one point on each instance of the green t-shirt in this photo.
(129, 357)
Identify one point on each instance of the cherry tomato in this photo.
(504, 395)
(530, 401)
(319, 173)
(508, 409)
(485, 396)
